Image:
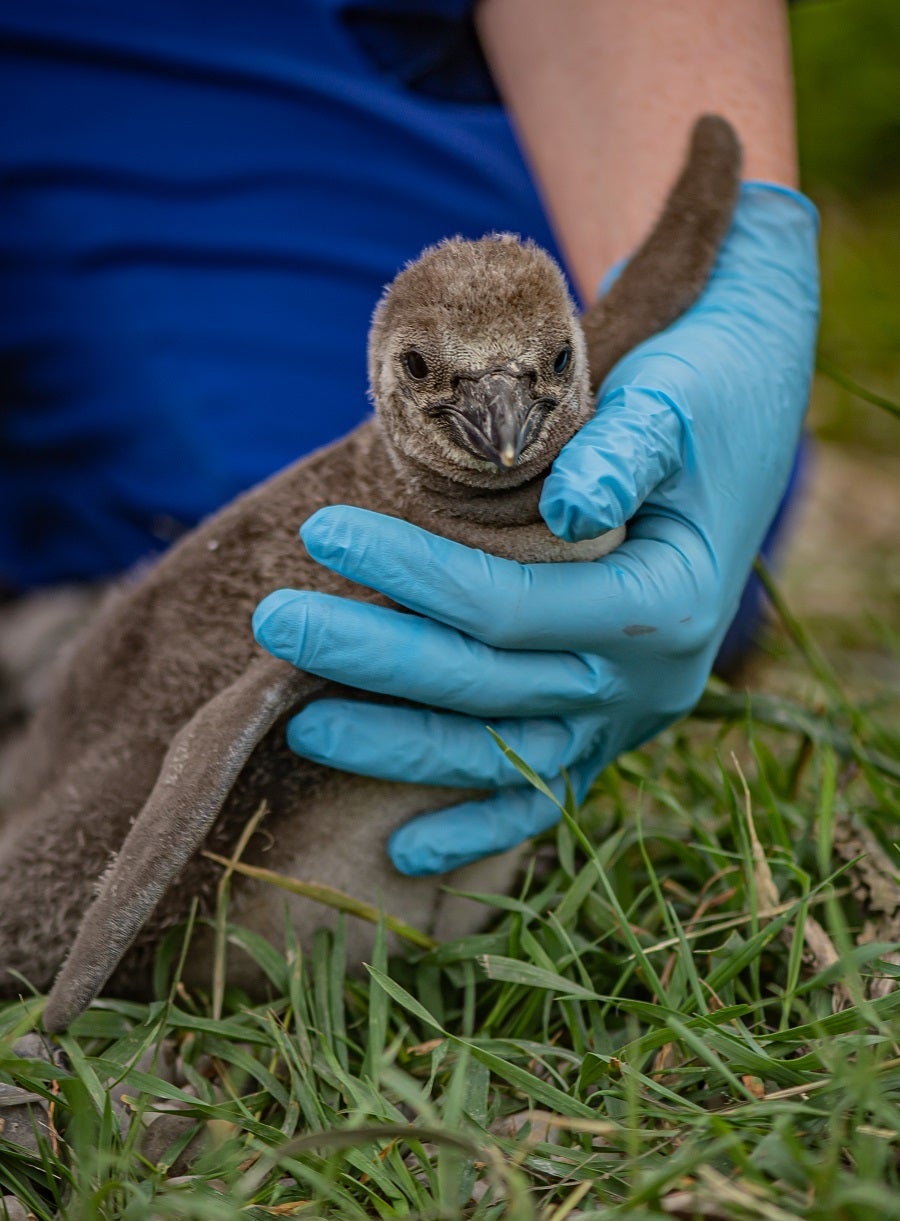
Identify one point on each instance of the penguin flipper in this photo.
(201, 765)
(669, 270)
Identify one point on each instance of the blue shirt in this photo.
(199, 205)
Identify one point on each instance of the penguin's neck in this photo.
(503, 521)
(421, 494)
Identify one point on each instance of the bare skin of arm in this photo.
(603, 94)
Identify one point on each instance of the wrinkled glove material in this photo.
(691, 445)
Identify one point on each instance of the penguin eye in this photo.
(415, 364)
(561, 363)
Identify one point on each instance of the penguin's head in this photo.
(477, 363)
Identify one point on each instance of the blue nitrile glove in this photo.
(692, 444)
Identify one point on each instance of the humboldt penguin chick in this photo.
(165, 729)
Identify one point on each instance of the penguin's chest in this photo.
(534, 544)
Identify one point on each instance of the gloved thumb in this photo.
(606, 472)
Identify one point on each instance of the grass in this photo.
(648, 1028)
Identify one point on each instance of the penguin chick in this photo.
(165, 729)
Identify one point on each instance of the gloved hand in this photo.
(692, 444)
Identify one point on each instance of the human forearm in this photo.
(604, 93)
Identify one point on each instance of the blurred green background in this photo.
(841, 570)
(847, 63)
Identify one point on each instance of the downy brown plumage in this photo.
(166, 726)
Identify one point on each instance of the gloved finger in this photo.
(758, 313)
(588, 607)
(425, 747)
(447, 839)
(416, 659)
(609, 468)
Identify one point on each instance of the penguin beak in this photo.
(496, 416)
